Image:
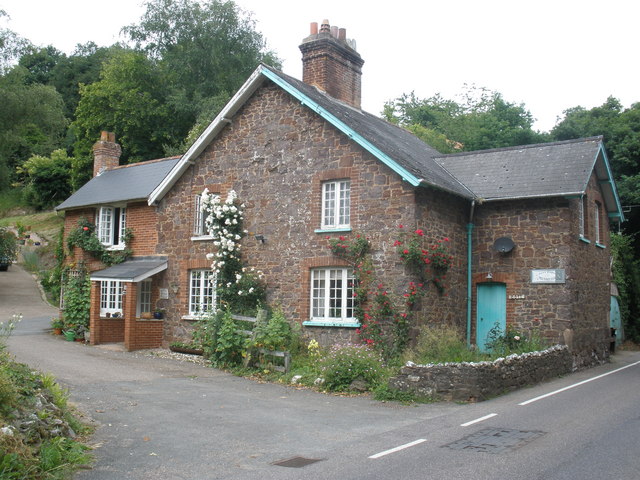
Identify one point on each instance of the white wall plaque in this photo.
(548, 276)
(164, 293)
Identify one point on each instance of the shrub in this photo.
(345, 363)
(8, 245)
(441, 344)
(275, 334)
(512, 341)
(229, 346)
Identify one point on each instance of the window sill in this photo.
(332, 230)
(599, 245)
(316, 323)
(114, 248)
(585, 240)
(193, 318)
(201, 238)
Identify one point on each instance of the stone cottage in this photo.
(527, 226)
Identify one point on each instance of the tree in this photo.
(47, 179)
(31, 121)
(130, 99)
(481, 120)
(206, 50)
(11, 45)
(620, 128)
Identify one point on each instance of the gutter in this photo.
(469, 270)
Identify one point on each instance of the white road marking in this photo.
(576, 384)
(397, 449)
(477, 420)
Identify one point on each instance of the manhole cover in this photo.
(495, 440)
(296, 462)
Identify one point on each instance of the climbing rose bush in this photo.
(239, 288)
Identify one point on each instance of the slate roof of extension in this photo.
(526, 171)
(122, 184)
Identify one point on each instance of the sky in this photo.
(548, 54)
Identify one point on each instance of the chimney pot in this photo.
(314, 28)
(334, 66)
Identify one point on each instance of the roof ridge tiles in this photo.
(522, 147)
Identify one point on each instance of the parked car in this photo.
(4, 263)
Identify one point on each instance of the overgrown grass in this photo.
(10, 200)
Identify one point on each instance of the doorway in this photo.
(491, 310)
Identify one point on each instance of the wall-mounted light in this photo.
(489, 276)
(174, 287)
(260, 238)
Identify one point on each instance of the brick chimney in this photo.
(106, 153)
(331, 63)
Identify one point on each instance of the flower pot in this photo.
(69, 335)
(157, 315)
(57, 331)
(79, 339)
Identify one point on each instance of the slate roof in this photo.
(399, 144)
(559, 168)
(122, 184)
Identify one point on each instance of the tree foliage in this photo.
(11, 45)
(130, 100)
(620, 128)
(626, 275)
(32, 121)
(481, 119)
(46, 179)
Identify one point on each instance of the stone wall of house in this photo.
(588, 333)
(470, 382)
(275, 154)
(546, 233)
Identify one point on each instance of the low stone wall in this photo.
(472, 382)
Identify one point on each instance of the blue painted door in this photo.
(491, 309)
(615, 320)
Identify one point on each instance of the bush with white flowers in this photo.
(239, 288)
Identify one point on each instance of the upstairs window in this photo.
(336, 204)
(199, 227)
(584, 224)
(596, 222)
(111, 223)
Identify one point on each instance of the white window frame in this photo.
(144, 297)
(202, 292)
(336, 204)
(106, 219)
(583, 218)
(596, 221)
(199, 227)
(332, 295)
(111, 297)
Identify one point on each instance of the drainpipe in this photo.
(469, 270)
